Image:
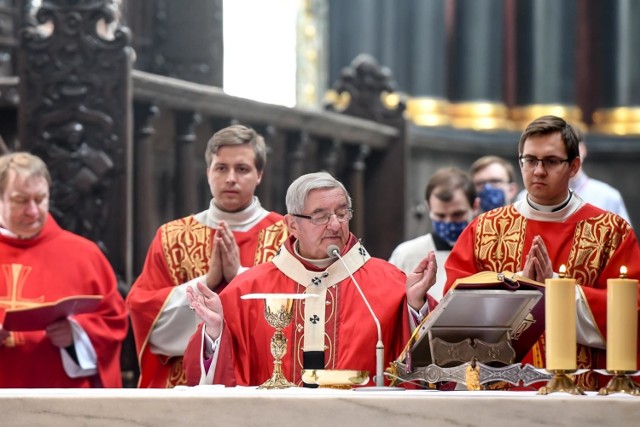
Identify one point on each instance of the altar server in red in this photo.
(41, 263)
(213, 246)
(553, 226)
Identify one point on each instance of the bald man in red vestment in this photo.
(41, 263)
(552, 226)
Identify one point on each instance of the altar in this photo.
(219, 406)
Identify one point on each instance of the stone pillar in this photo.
(352, 31)
(545, 61)
(476, 85)
(428, 64)
(312, 43)
(188, 40)
(619, 67)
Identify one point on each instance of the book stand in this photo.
(477, 334)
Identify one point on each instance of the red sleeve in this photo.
(461, 261)
(107, 327)
(224, 374)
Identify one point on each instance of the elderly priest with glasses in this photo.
(553, 226)
(334, 330)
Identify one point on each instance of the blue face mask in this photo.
(449, 231)
(491, 198)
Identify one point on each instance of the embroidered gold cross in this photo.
(15, 277)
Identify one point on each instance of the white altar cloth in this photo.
(219, 406)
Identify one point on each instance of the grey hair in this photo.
(303, 185)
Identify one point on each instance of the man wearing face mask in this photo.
(451, 200)
(494, 180)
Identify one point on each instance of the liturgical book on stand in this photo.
(488, 307)
(42, 315)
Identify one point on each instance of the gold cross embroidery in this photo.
(15, 277)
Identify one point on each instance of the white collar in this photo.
(526, 210)
(237, 221)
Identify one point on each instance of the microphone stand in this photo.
(379, 345)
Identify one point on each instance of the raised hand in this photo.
(208, 307)
(420, 280)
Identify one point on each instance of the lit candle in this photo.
(560, 322)
(622, 323)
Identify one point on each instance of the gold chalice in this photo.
(278, 310)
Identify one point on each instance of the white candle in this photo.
(560, 323)
(622, 323)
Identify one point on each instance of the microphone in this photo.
(334, 252)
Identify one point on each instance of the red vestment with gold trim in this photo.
(350, 334)
(593, 244)
(180, 252)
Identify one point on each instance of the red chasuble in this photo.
(54, 265)
(593, 244)
(180, 252)
(338, 316)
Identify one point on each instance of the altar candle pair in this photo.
(622, 323)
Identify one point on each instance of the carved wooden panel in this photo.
(74, 112)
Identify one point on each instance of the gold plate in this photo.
(335, 377)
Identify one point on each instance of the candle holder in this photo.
(620, 383)
(562, 382)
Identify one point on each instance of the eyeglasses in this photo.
(322, 218)
(549, 163)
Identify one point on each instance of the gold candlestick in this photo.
(560, 329)
(561, 381)
(622, 335)
(620, 383)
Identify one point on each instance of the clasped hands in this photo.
(225, 257)
(537, 265)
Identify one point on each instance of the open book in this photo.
(488, 306)
(41, 316)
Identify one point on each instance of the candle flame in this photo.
(562, 271)
(623, 271)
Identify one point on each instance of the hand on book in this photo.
(59, 332)
(4, 334)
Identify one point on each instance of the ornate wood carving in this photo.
(75, 108)
(362, 91)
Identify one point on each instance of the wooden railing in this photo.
(174, 119)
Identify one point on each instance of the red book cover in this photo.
(38, 318)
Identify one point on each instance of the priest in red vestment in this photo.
(551, 227)
(334, 329)
(41, 263)
(213, 246)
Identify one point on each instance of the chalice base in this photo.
(620, 383)
(276, 382)
(561, 382)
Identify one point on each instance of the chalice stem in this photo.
(278, 350)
